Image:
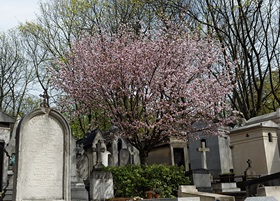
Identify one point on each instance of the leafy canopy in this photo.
(152, 87)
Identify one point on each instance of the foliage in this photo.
(134, 180)
(151, 87)
(15, 75)
(250, 32)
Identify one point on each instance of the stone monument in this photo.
(218, 159)
(42, 157)
(96, 156)
(201, 177)
(78, 189)
(101, 183)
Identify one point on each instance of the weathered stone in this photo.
(42, 157)
(260, 199)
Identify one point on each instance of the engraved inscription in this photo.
(42, 159)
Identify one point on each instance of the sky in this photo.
(12, 12)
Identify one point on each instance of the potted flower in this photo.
(157, 192)
(150, 194)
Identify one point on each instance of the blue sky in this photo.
(12, 12)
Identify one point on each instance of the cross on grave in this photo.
(98, 149)
(249, 163)
(45, 97)
(132, 153)
(203, 149)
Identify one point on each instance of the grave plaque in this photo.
(124, 156)
(43, 157)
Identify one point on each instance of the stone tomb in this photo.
(42, 157)
(212, 153)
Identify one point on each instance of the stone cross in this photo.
(98, 149)
(249, 163)
(45, 97)
(132, 153)
(203, 149)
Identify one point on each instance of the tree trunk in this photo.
(143, 154)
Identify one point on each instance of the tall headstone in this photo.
(201, 177)
(101, 183)
(42, 157)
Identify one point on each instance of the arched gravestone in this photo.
(42, 157)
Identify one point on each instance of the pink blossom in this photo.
(153, 89)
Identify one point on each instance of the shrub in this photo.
(134, 180)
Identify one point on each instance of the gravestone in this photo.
(134, 155)
(250, 173)
(218, 158)
(101, 183)
(201, 177)
(78, 190)
(124, 157)
(42, 157)
(99, 150)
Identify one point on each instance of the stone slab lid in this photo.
(274, 116)
(264, 124)
(270, 198)
(4, 118)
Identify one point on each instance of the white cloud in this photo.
(13, 12)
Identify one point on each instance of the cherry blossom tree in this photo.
(152, 88)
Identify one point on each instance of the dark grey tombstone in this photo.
(218, 159)
(42, 157)
(124, 157)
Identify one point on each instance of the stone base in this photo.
(225, 187)
(9, 189)
(101, 185)
(78, 192)
(201, 179)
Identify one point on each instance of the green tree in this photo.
(250, 33)
(15, 74)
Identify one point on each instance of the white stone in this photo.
(269, 191)
(43, 162)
